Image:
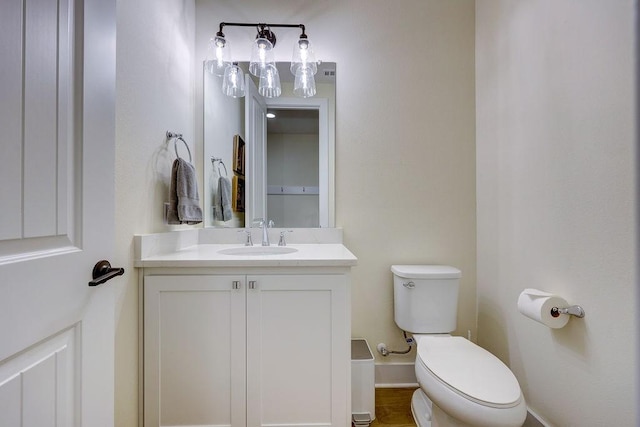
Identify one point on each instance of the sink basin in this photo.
(258, 250)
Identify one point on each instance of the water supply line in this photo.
(384, 351)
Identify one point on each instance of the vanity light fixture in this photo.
(262, 65)
(233, 81)
(220, 57)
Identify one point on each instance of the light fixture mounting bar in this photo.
(264, 29)
(260, 25)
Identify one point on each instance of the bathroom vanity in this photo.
(244, 336)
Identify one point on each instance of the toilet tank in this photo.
(425, 298)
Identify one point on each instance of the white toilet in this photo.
(461, 384)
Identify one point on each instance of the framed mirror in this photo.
(281, 168)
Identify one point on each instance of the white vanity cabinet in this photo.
(246, 347)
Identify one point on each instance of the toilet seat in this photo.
(469, 370)
(468, 382)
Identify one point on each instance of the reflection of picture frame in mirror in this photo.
(237, 191)
(238, 155)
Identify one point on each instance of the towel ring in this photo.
(178, 137)
(175, 147)
(216, 159)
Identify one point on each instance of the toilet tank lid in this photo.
(426, 271)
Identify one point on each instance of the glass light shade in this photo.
(261, 56)
(303, 56)
(233, 82)
(269, 86)
(304, 84)
(218, 55)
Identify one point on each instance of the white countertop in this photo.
(208, 255)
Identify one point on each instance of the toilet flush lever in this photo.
(409, 285)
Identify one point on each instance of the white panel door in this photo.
(57, 102)
(256, 170)
(194, 351)
(298, 351)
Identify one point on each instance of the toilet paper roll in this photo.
(537, 305)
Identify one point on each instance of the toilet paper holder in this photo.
(573, 310)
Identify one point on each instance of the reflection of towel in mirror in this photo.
(224, 194)
(215, 197)
(184, 203)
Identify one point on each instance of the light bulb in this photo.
(269, 86)
(261, 56)
(304, 84)
(219, 55)
(233, 82)
(303, 56)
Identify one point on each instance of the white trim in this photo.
(534, 420)
(255, 124)
(397, 385)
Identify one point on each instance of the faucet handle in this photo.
(247, 242)
(282, 241)
(270, 223)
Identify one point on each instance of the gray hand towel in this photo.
(224, 192)
(217, 201)
(184, 203)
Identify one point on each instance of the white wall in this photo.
(405, 155)
(556, 162)
(155, 80)
(404, 140)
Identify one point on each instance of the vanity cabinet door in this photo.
(194, 351)
(298, 350)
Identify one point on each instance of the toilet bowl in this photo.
(466, 385)
(461, 384)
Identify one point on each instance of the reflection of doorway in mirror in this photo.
(293, 167)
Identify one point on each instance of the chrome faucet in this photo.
(282, 241)
(265, 224)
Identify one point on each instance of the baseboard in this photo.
(534, 420)
(395, 375)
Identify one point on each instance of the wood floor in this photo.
(393, 408)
